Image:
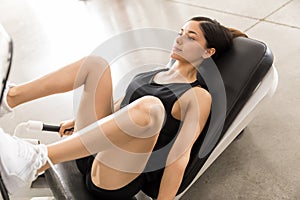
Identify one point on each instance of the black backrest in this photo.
(241, 68)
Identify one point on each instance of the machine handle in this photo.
(54, 128)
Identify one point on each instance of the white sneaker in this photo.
(19, 161)
(5, 108)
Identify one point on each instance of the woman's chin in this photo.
(176, 56)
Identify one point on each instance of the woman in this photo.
(160, 107)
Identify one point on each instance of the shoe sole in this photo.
(3, 190)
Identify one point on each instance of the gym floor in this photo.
(262, 164)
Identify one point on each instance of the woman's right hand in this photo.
(66, 127)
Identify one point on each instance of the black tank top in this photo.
(142, 85)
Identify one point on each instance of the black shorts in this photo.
(127, 192)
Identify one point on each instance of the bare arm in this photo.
(197, 108)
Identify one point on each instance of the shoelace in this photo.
(27, 150)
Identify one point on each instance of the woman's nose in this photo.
(179, 39)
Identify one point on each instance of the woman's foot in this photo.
(19, 161)
(5, 108)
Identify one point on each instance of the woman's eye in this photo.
(187, 36)
(190, 38)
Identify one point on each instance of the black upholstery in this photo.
(242, 68)
(66, 182)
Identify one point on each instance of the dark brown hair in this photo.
(216, 35)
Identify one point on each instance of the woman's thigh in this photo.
(117, 167)
(96, 98)
(124, 162)
(125, 192)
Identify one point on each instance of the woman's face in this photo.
(190, 45)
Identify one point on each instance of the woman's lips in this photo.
(176, 49)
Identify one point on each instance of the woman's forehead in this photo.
(192, 26)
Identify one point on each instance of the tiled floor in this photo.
(262, 165)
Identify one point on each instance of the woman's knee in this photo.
(95, 60)
(91, 69)
(94, 64)
(152, 110)
(142, 118)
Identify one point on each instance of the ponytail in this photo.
(236, 33)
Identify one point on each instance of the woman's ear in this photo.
(209, 52)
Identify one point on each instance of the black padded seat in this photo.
(67, 183)
(242, 68)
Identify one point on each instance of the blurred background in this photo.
(263, 164)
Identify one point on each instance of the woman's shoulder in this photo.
(197, 95)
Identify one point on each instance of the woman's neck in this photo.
(185, 70)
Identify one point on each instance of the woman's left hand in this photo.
(66, 127)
